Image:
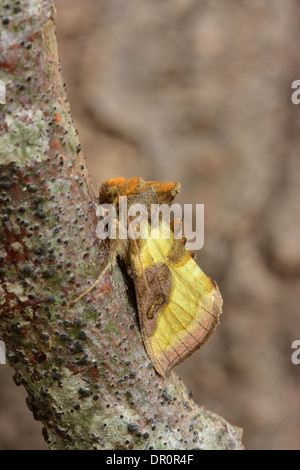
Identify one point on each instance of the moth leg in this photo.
(109, 265)
(117, 248)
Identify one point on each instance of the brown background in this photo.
(199, 92)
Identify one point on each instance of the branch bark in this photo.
(85, 369)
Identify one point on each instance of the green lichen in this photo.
(17, 247)
(10, 272)
(16, 228)
(60, 186)
(15, 288)
(87, 270)
(111, 327)
(26, 138)
(29, 311)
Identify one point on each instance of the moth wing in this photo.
(190, 317)
(180, 309)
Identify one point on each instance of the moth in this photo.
(178, 305)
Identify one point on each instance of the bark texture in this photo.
(85, 370)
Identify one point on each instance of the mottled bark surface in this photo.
(85, 369)
(200, 92)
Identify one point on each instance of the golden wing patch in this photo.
(180, 311)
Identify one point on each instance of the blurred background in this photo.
(199, 92)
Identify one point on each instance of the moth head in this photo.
(108, 193)
(112, 195)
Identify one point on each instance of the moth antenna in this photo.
(94, 284)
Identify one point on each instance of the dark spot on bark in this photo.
(132, 427)
(56, 376)
(77, 346)
(167, 396)
(84, 392)
(47, 274)
(81, 334)
(16, 328)
(26, 271)
(40, 214)
(82, 362)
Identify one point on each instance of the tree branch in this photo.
(85, 369)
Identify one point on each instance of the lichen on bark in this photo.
(85, 369)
